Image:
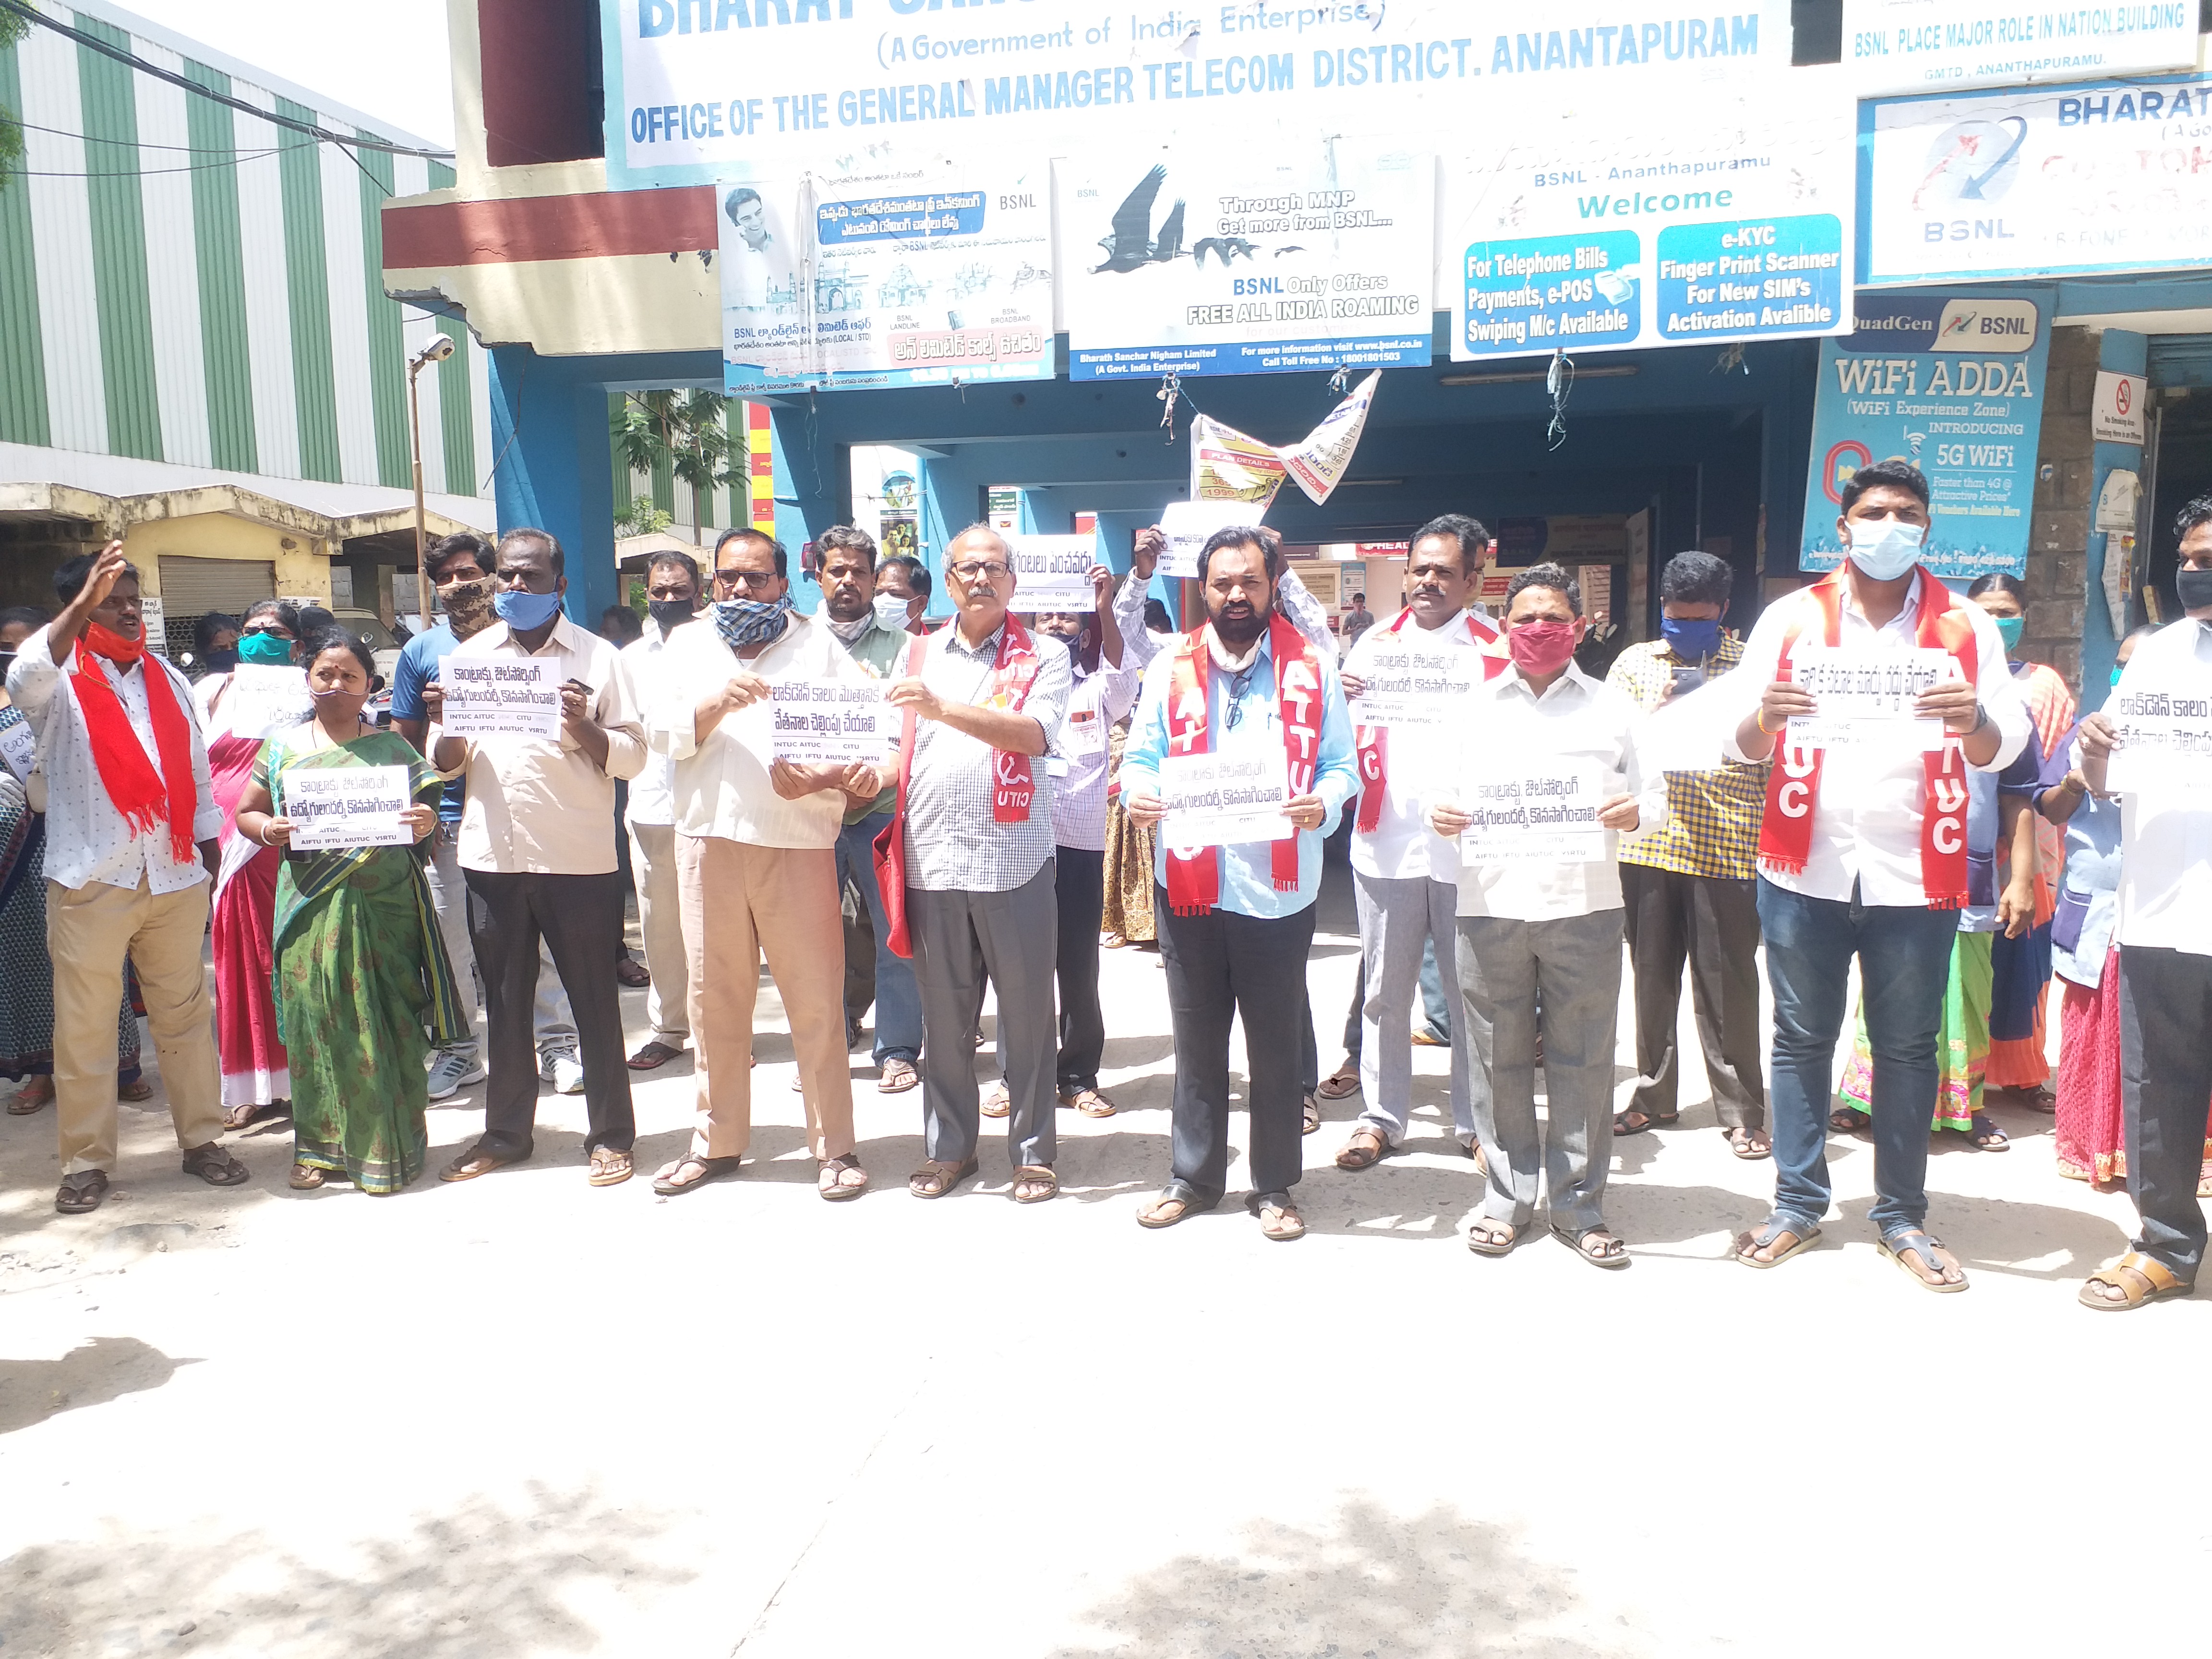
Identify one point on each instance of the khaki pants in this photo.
(660, 919)
(89, 931)
(740, 902)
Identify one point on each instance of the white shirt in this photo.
(2165, 839)
(1576, 719)
(650, 801)
(1866, 821)
(721, 787)
(1402, 846)
(1078, 758)
(88, 839)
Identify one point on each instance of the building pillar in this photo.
(548, 430)
(2058, 535)
(2124, 352)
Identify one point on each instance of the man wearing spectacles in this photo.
(967, 865)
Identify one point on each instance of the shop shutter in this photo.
(192, 587)
(2181, 359)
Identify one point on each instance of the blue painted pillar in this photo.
(2124, 353)
(951, 499)
(549, 429)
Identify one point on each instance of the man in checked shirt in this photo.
(1690, 886)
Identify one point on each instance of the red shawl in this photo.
(143, 796)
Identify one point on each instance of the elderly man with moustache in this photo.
(1236, 922)
(967, 865)
(756, 862)
(672, 599)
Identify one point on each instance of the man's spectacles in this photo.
(757, 581)
(981, 571)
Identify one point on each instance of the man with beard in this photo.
(672, 598)
(1236, 922)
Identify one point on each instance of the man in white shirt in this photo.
(1545, 931)
(131, 823)
(537, 853)
(757, 861)
(1862, 851)
(672, 598)
(1405, 876)
(2165, 936)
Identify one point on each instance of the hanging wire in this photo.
(1170, 393)
(1559, 382)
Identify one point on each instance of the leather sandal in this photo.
(82, 1192)
(829, 1179)
(473, 1163)
(935, 1178)
(1802, 1234)
(653, 1056)
(34, 1096)
(1034, 1184)
(899, 1076)
(1902, 1242)
(1176, 1202)
(305, 1178)
(610, 1166)
(998, 1103)
(1595, 1245)
(1311, 1120)
(669, 1182)
(2139, 1279)
(1364, 1151)
(1490, 1237)
(212, 1164)
(1279, 1219)
(1340, 1082)
(1089, 1101)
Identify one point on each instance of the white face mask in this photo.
(890, 612)
(1886, 549)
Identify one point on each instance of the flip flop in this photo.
(1763, 1237)
(1918, 1241)
(714, 1169)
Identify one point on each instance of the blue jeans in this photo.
(1905, 963)
(899, 999)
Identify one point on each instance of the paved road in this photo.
(523, 1417)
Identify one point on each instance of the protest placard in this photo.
(501, 696)
(830, 722)
(1411, 682)
(19, 748)
(262, 700)
(2165, 744)
(1187, 525)
(1225, 800)
(347, 806)
(1866, 696)
(1053, 573)
(1526, 813)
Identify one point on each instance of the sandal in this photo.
(898, 1077)
(1749, 1144)
(1986, 1134)
(1845, 1122)
(1902, 1242)
(998, 1103)
(1177, 1201)
(631, 972)
(1364, 1151)
(653, 1056)
(1770, 1233)
(212, 1164)
(829, 1179)
(670, 1179)
(1596, 1246)
(1490, 1237)
(2035, 1097)
(82, 1192)
(2138, 1278)
(34, 1096)
(1089, 1101)
(610, 1167)
(243, 1117)
(1311, 1120)
(141, 1090)
(305, 1178)
(1341, 1082)
(1623, 1126)
(1279, 1219)
(936, 1177)
(1034, 1184)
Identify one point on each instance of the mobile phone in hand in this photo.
(1687, 679)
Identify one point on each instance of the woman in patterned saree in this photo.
(360, 962)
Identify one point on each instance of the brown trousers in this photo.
(89, 931)
(739, 902)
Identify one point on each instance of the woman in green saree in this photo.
(361, 966)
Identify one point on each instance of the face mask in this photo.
(891, 612)
(1690, 640)
(519, 608)
(1884, 551)
(7, 662)
(2117, 672)
(744, 623)
(220, 662)
(107, 642)
(1072, 642)
(471, 599)
(266, 649)
(669, 615)
(2193, 588)
(2009, 630)
(1541, 647)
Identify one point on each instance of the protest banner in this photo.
(1053, 573)
(19, 748)
(830, 721)
(1525, 812)
(502, 697)
(1920, 45)
(2163, 747)
(343, 806)
(1225, 800)
(262, 700)
(1411, 683)
(1866, 696)
(1187, 525)
(1320, 459)
(1227, 466)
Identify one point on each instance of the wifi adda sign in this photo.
(1953, 382)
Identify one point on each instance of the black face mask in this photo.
(1073, 642)
(2193, 588)
(671, 614)
(222, 662)
(7, 662)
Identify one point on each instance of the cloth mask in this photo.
(2193, 588)
(847, 632)
(1541, 647)
(220, 662)
(1886, 551)
(2117, 672)
(466, 598)
(1689, 639)
(2009, 630)
(891, 612)
(745, 623)
(519, 608)
(266, 649)
(7, 662)
(669, 615)
(107, 642)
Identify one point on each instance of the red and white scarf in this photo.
(141, 794)
(1793, 787)
(1373, 742)
(1195, 872)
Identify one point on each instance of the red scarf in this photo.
(139, 792)
(1793, 787)
(1373, 742)
(1194, 873)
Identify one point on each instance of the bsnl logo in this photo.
(1245, 285)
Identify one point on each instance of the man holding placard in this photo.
(671, 585)
(774, 731)
(1241, 752)
(538, 713)
(1538, 809)
(2152, 745)
(1874, 690)
(1410, 681)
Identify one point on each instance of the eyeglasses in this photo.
(757, 581)
(982, 571)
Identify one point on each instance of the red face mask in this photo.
(1543, 647)
(107, 642)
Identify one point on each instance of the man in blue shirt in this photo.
(461, 567)
(1248, 692)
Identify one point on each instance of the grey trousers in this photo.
(959, 938)
(1397, 918)
(1575, 962)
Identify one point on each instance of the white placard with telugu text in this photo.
(1866, 697)
(1410, 682)
(1053, 573)
(830, 721)
(1225, 800)
(19, 748)
(263, 699)
(1533, 813)
(348, 806)
(2165, 744)
(1188, 524)
(501, 696)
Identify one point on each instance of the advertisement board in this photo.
(2105, 176)
(1727, 217)
(1913, 46)
(1203, 261)
(1953, 382)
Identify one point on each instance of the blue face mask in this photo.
(221, 662)
(2117, 672)
(2009, 630)
(1692, 640)
(520, 608)
(1885, 550)
(742, 623)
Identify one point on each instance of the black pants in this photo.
(1713, 923)
(2165, 1076)
(1080, 889)
(581, 918)
(1222, 966)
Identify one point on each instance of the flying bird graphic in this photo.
(1289, 247)
(1225, 247)
(1132, 246)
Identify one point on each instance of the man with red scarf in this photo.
(1862, 852)
(131, 846)
(1236, 922)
